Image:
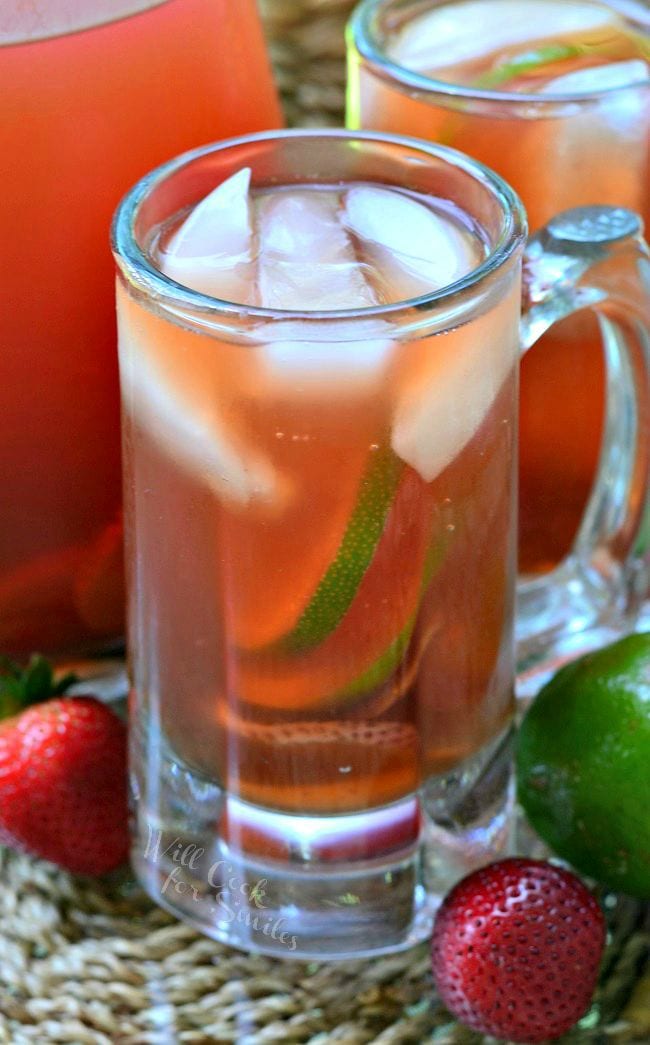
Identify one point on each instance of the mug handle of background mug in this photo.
(596, 258)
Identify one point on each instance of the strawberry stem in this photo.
(20, 687)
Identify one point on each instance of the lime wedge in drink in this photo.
(341, 581)
(527, 62)
(384, 666)
(368, 603)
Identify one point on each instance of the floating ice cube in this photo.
(459, 32)
(212, 250)
(306, 260)
(442, 409)
(409, 247)
(617, 122)
(190, 429)
(599, 78)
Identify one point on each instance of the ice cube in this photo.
(410, 248)
(191, 430)
(459, 32)
(614, 125)
(212, 250)
(306, 260)
(354, 358)
(443, 405)
(599, 78)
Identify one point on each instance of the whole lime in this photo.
(583, 764)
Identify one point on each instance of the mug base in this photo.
(315, 887)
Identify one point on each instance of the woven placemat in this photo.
(306, 40)
(95, 963)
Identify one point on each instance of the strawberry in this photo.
(516, 949)
(63, 793)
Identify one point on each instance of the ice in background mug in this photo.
(94, 93)
(315, 799)
(583, 563)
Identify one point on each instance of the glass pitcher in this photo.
(94, 94)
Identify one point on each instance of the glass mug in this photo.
(314, 799)
(557, 151)
(95, 93)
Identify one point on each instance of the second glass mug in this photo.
(557, 151)
(315, 799)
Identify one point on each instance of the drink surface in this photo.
(317, 248)
(85, 114)
(547, 46)
(321, 521)
(557, 154)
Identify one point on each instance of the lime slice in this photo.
(381, 669)
(340, 583)
(384, 666)
(367, 603)
(527, 62)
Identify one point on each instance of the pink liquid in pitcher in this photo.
(93, 97)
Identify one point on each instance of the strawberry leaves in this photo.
(21, 687)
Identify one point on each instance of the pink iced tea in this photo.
(319, 525)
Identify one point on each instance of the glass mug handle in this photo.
(595, 257)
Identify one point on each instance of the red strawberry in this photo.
(63, 792)
(516, 949)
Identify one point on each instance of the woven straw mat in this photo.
(95, 963)
(308, 53)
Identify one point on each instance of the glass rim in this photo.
(359, 34)
(137, 266)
